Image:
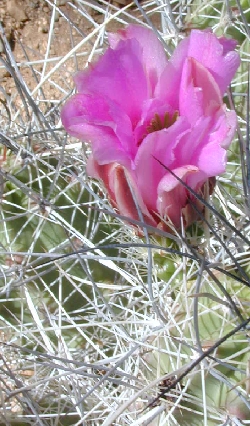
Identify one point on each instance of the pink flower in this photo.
(134, 106)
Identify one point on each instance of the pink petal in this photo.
(156, 146)
(92, 168)
(119, 76)
(150, 108)
(213, 53)
(199, 93)
(188, 149)
(172, 196)
(212, 158)
(123, 191)
(93, 119)
(168, 86)
(228, 44)
(98, 171)
(153, 56)
(204, 145)
(227, 127)
(127, 196)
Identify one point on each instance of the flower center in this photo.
(159, 123)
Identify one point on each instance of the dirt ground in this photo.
(27, 26)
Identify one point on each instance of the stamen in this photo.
(158, 124)
(166, 121)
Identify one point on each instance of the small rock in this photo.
(1, 47)
(122, 2)
(19, 25)
(34, 4)
(57, 16)
(43, 26)
(6, 74)
(16, 11)
(2, 13)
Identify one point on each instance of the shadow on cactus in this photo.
(42, 242)
(202, 376)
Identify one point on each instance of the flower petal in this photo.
(101, 122)
(157, 146)
(168, 87)
(216, 54)
(119, 76)
(227, 126)
(122, 190)
(188, 148)
(172, 195)
(153, 56)
(212, 157)
(127, 196)
(150, 108)
(205, 144)
(199, 93)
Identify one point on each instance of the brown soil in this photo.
(27, 26)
